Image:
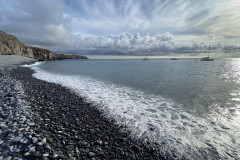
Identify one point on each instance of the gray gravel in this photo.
(40, 120)
(17, 137)
(6, 60)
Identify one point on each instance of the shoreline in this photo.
(66, 127)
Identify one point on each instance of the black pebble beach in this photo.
(66, 127)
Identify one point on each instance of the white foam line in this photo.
(152, 117)
(36, 64)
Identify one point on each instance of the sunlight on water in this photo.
(160, 120)
(233, 72)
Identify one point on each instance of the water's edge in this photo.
(74, 126)
(176, 131)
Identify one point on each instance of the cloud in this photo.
(111, 17)
(159, 44)
(164, 37)
(37, 23)
(126, 43)
(127, 26)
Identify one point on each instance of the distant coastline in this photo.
(137, 57)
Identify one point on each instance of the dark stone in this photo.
(136, 148)
(36, 154)
(56, 108)
(91, 154)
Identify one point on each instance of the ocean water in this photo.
(190, 107)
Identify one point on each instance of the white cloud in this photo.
(132, 25)
(164, 37)
(125, 42)
(155, 44)
(38, 22)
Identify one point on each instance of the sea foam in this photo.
(155, 118)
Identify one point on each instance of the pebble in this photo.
(32, 149)
(21, 129)
(91, 154)
(40, 143)
(34, 140)
(17, 150)
(44, 140)
(31, 124)
(136, 148)
(99, 142)
(45, 155)
(11, 148)
(17, 139)
(27, 154)
(25, 141)
(48, 147)
(36, 153)
(3, 126)
(8, 158)
(15, 119)
(55, 155)
(48, 116)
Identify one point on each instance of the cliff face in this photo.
(10, 45)
(38, 53)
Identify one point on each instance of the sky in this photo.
(157, 27)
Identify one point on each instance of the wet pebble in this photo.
(40, 143)
(91, 154)
(26, 154)
(32, 149)
(54, 118)
(17, 139)
(34, 140)
(44, 140)
(31, 124)
(7, 158)
(55, 155)
(45, 155)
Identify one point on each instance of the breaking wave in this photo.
(157, 119)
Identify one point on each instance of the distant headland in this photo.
(10, 45)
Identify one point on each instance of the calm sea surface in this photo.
(190, 106)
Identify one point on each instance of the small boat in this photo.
(174, 58)
(208, 57)
(145, 58)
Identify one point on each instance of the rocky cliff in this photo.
(10, 45)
